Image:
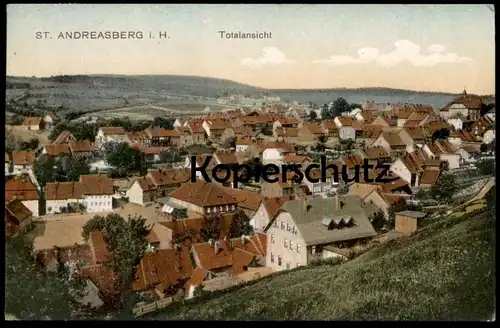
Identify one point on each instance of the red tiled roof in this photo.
(203, 194)
(23, 157)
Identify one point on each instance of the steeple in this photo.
(465, 92)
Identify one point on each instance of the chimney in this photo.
(337, 203)
(216, 247)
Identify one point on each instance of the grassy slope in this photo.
(444, 272)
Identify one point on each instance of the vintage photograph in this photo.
(136, 136)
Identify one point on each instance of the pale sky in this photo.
(418, 47)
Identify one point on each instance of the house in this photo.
(288, 134)
(406, 222)
(55, 150)
(304, 161)
(384, 121)
(392, 143)
(247, 201)
(164, 272)
(273, 156)
(215, 127)
(230, 256)
(349, 127)
(429, 177)
(50, 119)
(314, 183)
(480, 126)
(459, 137)
(186, 138)
(411, 166)
(412, 137)
(151, 154)
(18, 217)
(109, 134)
(256, 149)
(237, 133)
(375, 155)
(267, 210)
(286, 122)
(299, 114)
(310, 132)
(374, 194)
(156, 184)
(179, 122)
(93, 193)
(283, 188)
(33, 123)
(469, 153)
(20, 188)
(64, 138)
(465, 105)
(444, 151)
(307, 230)
(162, 137)
(164, 235)
(330, 128)
(136, 137)
(23, 161)
(197, 131)
(225, 157)
(81, 148)
(243, 144)
(203, 198)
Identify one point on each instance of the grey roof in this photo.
(412, 214)
(311, 224)
(168, 201)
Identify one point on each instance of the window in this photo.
(275, 224)
(298, 248)
(272, 257)
(291, 245)
(294, 230)
(282, 225)
(272, 239)
(286, 243)
(279, 260)
(288, 227)
(288, 266)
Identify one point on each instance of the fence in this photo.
(143, 309)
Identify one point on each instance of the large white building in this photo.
(92, 194)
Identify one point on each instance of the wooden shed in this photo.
(407, 221)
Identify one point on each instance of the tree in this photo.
(12, 142)
(491, 201)
(30, 145)
(378, 220)
(347, 145)
(338, 107)
(44, 169)
(240, 225)
(16, 119)
(486, 166)
(170, 156)
(123, 157)
(313, 116)
(483, 148)
(444, 188)
(354, 106)
(166, 123)
(211, 227)
(57, 129)
(441, 134)
(31, 295)
(126, 241)
(323, 139)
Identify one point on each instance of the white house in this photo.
(347, 132)
(109, 134)
(273, 156)
(403, 169)
(267, 210)
(243, 144)
(456, 121)
(23, 161)
(318, 187)
(94, 192)
(306, 230)
(444, 151)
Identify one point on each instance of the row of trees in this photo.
(64, 168)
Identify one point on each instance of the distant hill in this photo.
(446, 271)
(213, 87)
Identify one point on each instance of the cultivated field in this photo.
(26, 135)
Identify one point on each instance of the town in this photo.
(114, 203)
